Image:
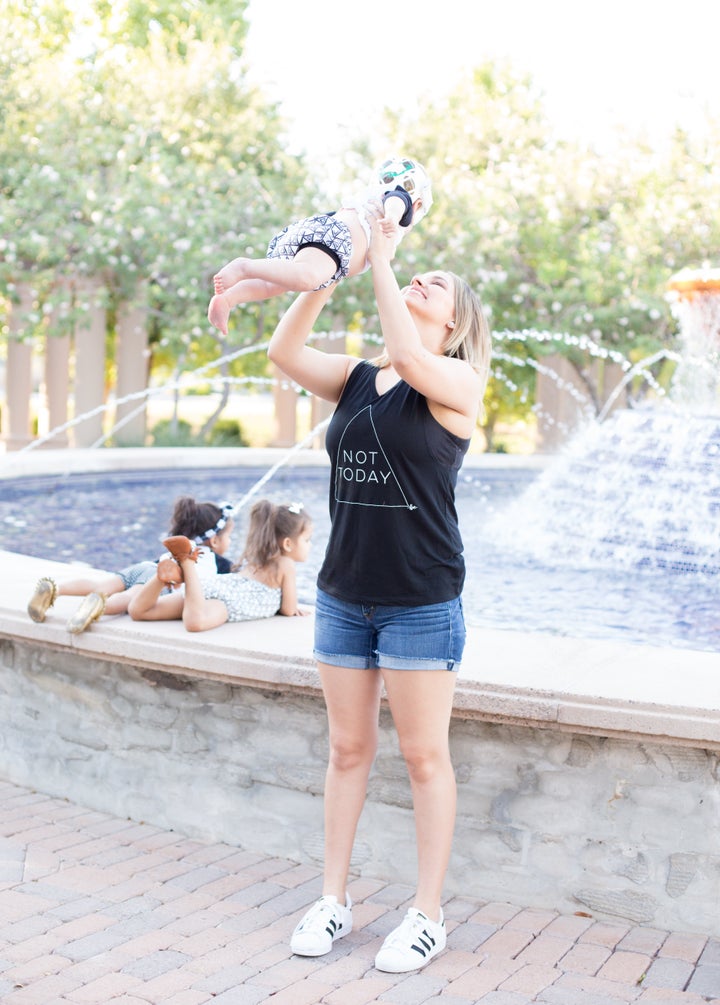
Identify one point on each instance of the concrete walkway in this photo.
(97, 910)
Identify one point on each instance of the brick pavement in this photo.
(97, 910)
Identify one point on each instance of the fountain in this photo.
(531, 540)
(641, 490)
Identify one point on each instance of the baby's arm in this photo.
(394, 207)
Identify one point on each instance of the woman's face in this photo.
(431, 296)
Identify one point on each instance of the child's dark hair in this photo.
(198, 520)
(269, 525)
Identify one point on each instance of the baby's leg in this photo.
(230, 274)
(246, 291)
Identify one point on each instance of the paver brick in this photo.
(505, 942)
(585, 958)
(495, 914)
(587, 989)
(604, 935)
(531, 920)
(545, 949)
(104, 989)
(683, 946)
(483, 979)
(706, 981)
(643, 940)
(626, 967)
(568, 926)
(188, 997)
(667, 996)
(359, 992)
(665, 972)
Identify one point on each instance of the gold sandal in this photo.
(42, 599)
(90, 609)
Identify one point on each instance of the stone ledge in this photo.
(574, 685)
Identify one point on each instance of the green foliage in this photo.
(226, 433)
(174, 433)
(556, 238)
(133, 150)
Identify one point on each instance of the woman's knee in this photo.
(424, 763)
(348, 753)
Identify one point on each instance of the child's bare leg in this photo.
(199, 614)
(263, 278)
(149, 605)
(118, 603)
(82, 586)
(247, 291)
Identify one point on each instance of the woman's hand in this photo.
(383, 240)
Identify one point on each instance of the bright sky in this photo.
(639, 63)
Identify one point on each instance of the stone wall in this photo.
(547, 817)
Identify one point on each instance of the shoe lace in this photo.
(320, 914)
(410, 927)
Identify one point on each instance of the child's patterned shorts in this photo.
(322, 231)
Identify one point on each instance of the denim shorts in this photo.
(368, 636)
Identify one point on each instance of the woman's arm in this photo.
(320, 373)
(450, 384)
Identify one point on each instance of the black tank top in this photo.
(394, 537)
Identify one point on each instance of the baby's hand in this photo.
(389, 226)
(382, 243)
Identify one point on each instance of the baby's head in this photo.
(411, 176)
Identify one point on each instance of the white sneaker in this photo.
(412, 944)
(326, 921)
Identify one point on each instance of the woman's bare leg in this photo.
(421, 705)
(352, 698)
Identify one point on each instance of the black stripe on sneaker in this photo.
(425, 947)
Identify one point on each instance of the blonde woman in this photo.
(389, 607)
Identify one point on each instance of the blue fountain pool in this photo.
(109, 520)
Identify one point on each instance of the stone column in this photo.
(16, 431)
(55, 390)
(89, 360)
(561, 401)
(564, 402)
(132, 360)
(285, 402)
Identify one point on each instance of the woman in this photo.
(389, 607)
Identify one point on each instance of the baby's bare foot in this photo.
(230, 274)
(219, 312)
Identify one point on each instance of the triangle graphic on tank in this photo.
(364, 475)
